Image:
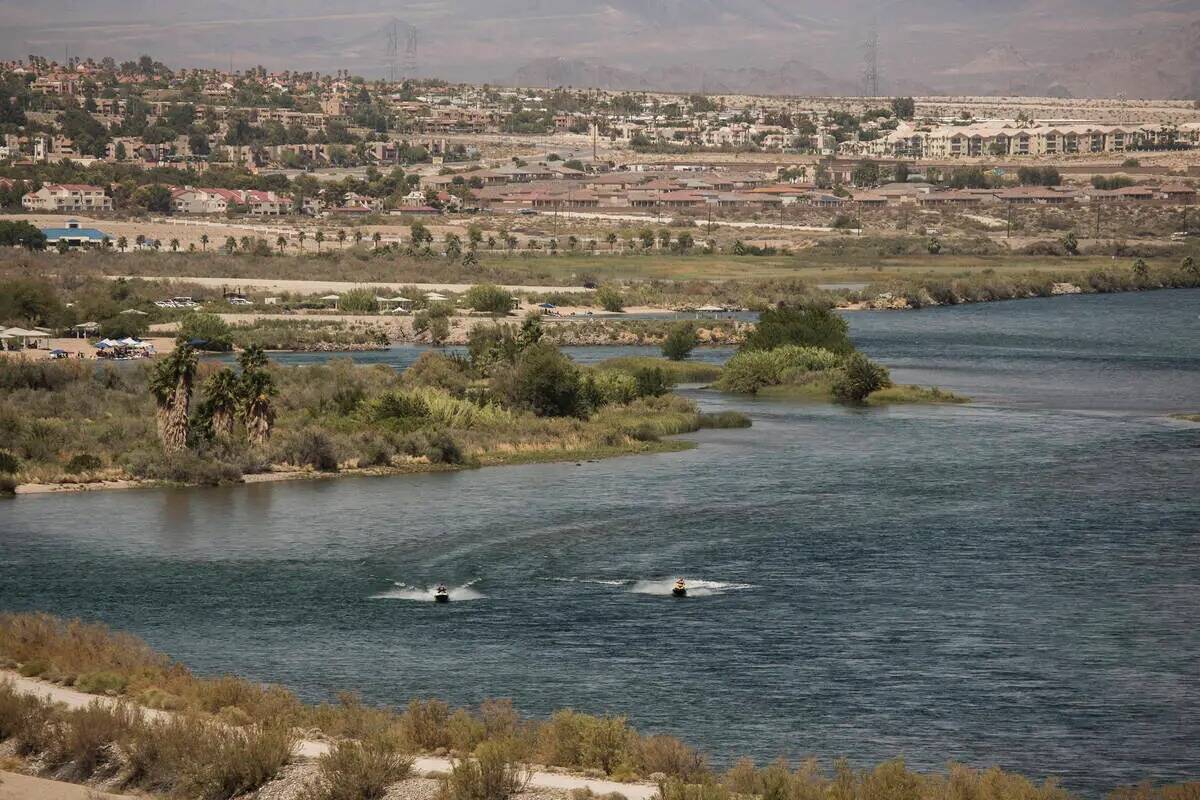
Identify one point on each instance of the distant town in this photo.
(253, 142)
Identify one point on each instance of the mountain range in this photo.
(1134, 48)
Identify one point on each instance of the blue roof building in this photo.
(74, 235)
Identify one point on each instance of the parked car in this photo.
(238, 301)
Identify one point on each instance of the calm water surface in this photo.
(1015, 582)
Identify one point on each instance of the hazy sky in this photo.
(947, 45)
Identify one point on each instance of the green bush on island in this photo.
(808, 326)
(208, 331)
(750, 370)
(858, 378)
(677, 371)
(680, 342)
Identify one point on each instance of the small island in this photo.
(514, 397)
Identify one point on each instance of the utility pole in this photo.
(1008, 235)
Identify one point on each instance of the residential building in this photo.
(67, 197)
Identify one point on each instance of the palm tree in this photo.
(257, 389)
(358, 237)
(246, 244)
(204, 241)
(281, 242)
(106, 242)
(611, 239)
(171, 384)
(320, 237)
(300, 237)
(375, 239)
(341, 237)
(141, 239)
(222, 394)
(174, 245)
(252, 358)
(230, 244)
(122, 243)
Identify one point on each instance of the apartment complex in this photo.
(67, 197)
(1014, 138)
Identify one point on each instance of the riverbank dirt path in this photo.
(310, 748)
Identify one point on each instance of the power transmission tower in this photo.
(393, 47)
(871, 61)
(410, 53)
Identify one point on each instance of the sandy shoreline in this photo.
(667, 445)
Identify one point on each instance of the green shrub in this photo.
(310, 447)
(751, 370)
(488, 298)
(400, 410)
(545, 382)
(85, 734)
(104, 682)
(859, 377)
(651, 381)
(490, 775)
(810, 326)
(605, 743)
(443, 449)
(724, 419)
(439, 372)
(611, 387)
(680, 342)
(34, 667)
(358, 301)
(465, 731)
(9, 463)
(359, 770)
(671, 757)
(210, 329)
(189, 756)
(24, 719)
(160, 699)
(609, 298)
(424, 724)
(83, 462)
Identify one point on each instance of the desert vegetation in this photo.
(222, 737)
(807, 352)
(184, 419)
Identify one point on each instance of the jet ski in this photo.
(679, 589)
(441, 595)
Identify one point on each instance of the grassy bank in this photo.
(806, 353)
(513, 399)
(226, 737)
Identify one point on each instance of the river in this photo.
(1012, 582)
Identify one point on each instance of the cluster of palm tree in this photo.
(228, 397)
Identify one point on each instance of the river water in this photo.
(1012, 582)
